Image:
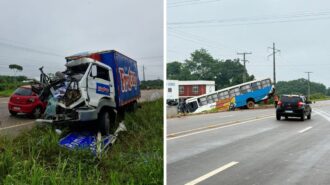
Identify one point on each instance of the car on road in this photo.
(24, 100)
(293, 106)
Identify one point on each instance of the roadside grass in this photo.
(6, 93)
(35, 157)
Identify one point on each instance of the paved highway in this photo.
(13, 125)
(249, 147)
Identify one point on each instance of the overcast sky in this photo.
(299, 28)
(41, 33)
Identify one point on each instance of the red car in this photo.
(23, 100)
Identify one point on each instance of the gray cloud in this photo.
(65, 27)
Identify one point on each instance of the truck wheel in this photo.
(134, 106)
(13, 113)
(250, 104)
(104, 122)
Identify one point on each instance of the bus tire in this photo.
(250, 104)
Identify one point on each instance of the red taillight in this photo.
(279, 103)
(300, 104)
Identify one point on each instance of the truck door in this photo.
(98, 84)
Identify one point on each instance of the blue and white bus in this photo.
(238, 96)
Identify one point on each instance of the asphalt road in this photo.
(13, 125)
(250, 148)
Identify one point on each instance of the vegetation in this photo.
(152, 84)
(9, 83)
(202, 66)
(136, 158)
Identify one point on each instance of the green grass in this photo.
(35, 158)
(6, 93)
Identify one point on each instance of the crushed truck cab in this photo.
(94, 86)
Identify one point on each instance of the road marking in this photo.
(304, 130)
(212, 173)
(18, 125)
(323, 114)
(213, 127)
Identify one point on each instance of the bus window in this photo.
(265, 83)
(225, 94)
(255, 86)
(192, 106)
(202, 101)
(219, 95)
(215, 97)
(209, 99)
(234, 92)
(245, 88)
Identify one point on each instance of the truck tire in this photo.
(104, 122)
(250, 104)
(135, 106)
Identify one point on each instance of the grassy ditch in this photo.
(35, 157)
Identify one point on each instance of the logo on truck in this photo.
(128, 80)
(102, 89)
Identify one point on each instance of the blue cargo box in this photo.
(126, 76)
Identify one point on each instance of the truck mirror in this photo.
(94, 71)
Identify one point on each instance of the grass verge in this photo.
(35, 158)
(6, 93)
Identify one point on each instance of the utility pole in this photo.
(309, 85)
(244, 61)
(274, 53)
(144, 77)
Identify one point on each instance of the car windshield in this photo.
(290, 99)
(23, 91)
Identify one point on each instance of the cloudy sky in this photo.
(41, 33)
(299, 28)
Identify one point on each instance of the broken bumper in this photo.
(79, 115)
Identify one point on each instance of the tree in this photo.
(15, 68)
(202, 66)
(173, 70)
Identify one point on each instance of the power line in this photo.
(190, 2)
(254, 20)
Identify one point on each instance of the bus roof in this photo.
(226, 89)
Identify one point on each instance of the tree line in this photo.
(202, 66)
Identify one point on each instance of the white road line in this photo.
(304, 130)
(210, 174)
(321, 113)
(220, 127)
(18, 125)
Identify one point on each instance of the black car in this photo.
(293, 106)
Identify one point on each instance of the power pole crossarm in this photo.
(244, 61)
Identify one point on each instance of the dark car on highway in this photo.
(23, 100)
(293, 106)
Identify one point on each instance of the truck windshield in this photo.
(78, 69)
